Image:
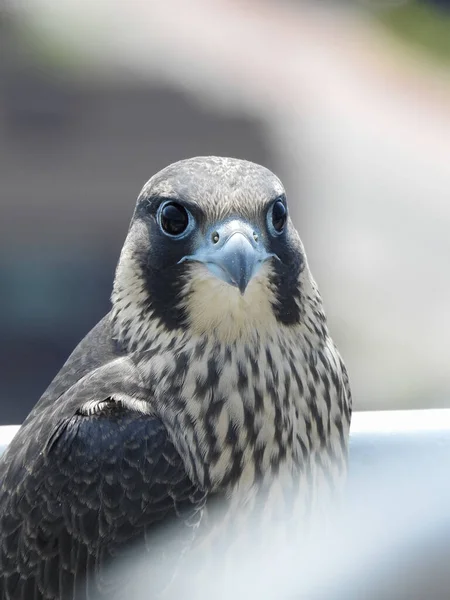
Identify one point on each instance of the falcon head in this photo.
(211, 250)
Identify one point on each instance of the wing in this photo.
(80, 483)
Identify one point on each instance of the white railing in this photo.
(372, 433)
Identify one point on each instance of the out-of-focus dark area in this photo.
(349, 102)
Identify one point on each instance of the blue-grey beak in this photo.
(232, 252)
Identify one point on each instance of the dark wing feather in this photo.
(103, 485)
(78, 490)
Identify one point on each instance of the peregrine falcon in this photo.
(213, 376)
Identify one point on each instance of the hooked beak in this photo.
(233, 253)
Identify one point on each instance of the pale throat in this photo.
(215, 308)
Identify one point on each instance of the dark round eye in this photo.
(279, 216)
(174, 218)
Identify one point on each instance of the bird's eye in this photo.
(174, 218)
(279, 215)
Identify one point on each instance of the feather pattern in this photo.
(188, 390)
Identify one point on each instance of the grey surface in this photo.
(73, 158)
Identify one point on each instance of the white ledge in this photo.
(7, 432)
(367, 427)
(400, 421)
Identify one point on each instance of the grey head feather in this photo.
(152, 286)
(220, 186)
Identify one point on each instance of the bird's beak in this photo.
(233, 252)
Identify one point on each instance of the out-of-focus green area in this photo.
(29, 43)
(422, 25)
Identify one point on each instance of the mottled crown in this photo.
(220, 186)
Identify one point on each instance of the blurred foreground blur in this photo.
(348, 102)
(391, 540)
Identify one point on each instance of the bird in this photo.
(214, 375)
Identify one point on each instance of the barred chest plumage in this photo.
(243, 415)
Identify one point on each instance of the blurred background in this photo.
(347, 101)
